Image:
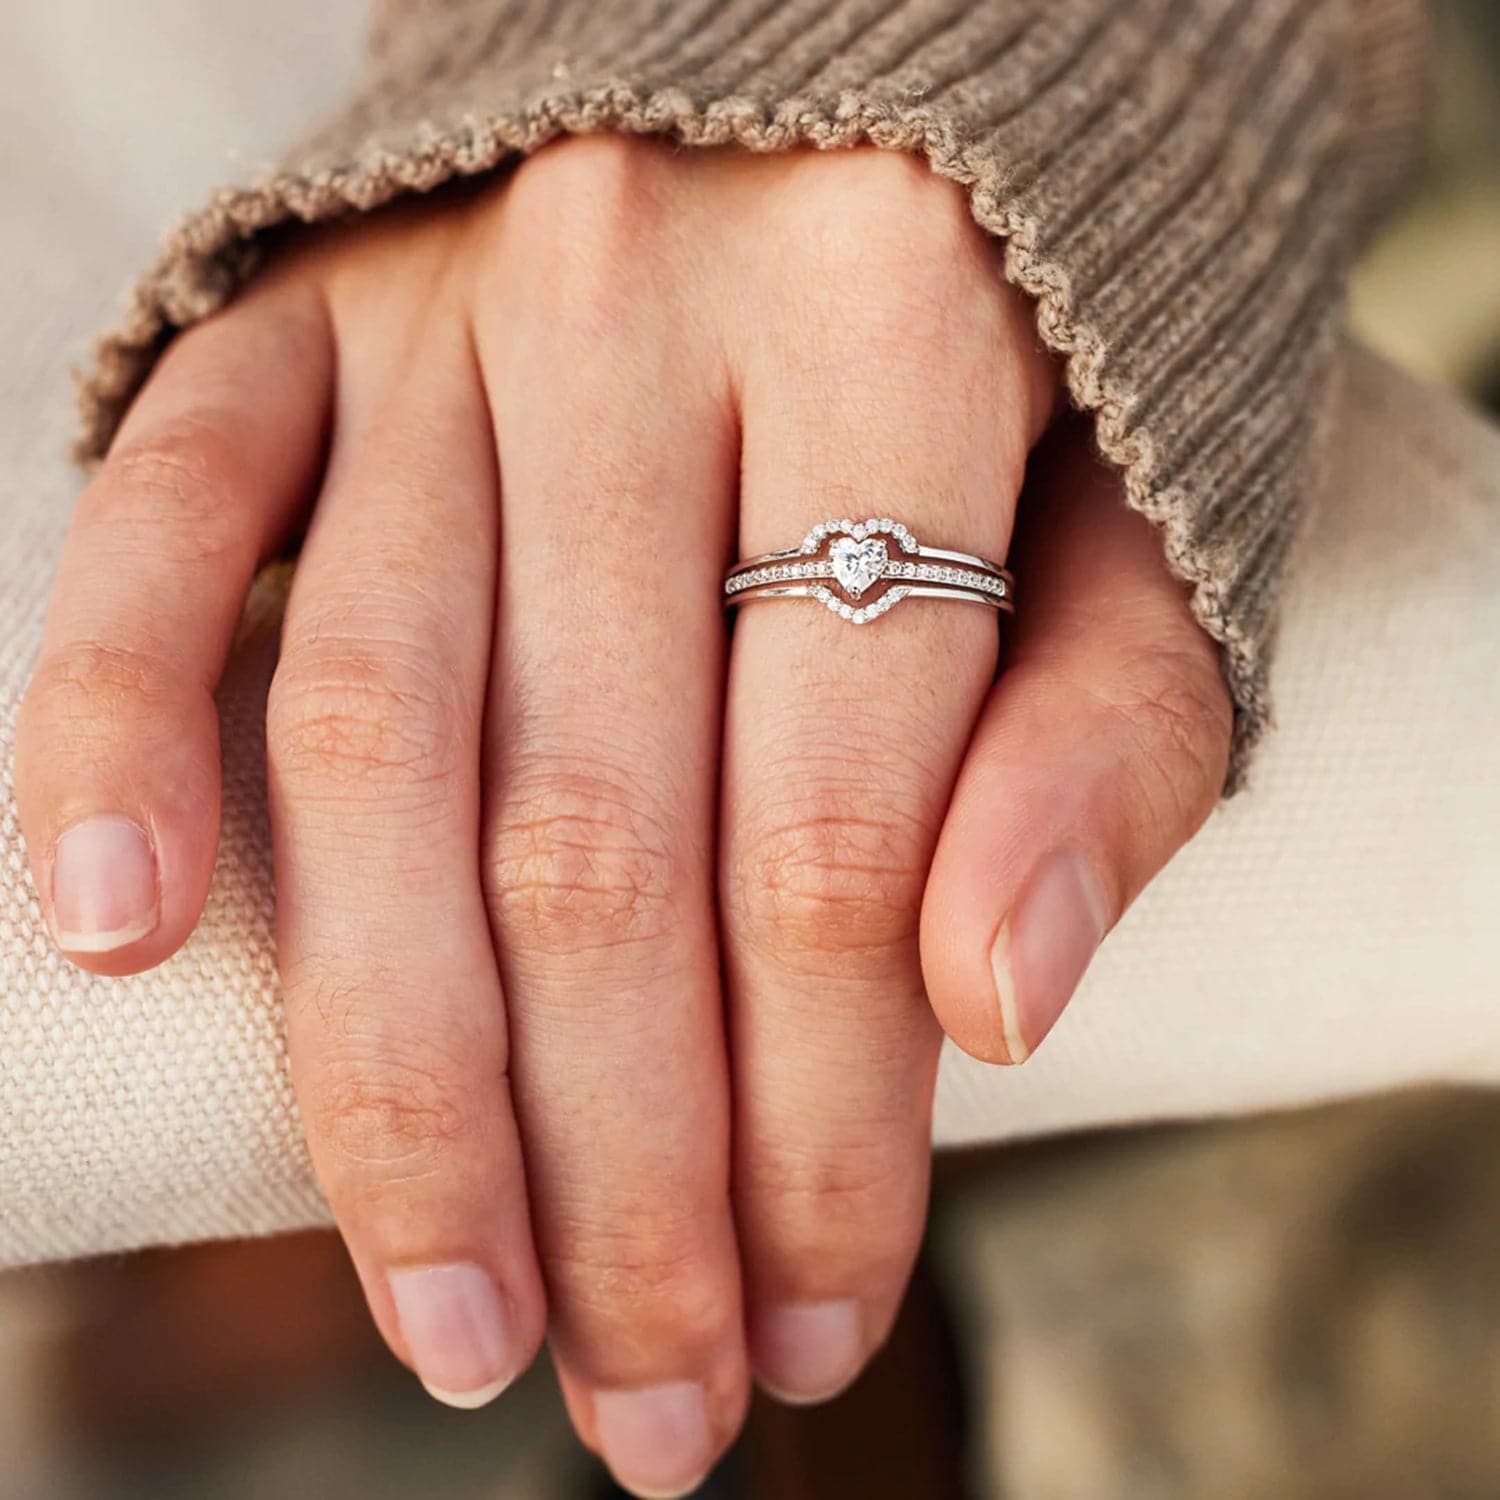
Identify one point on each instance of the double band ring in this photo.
(840, 562)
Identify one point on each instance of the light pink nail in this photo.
(655, 1439)
(1045, 945)
(809, 1351)
(457, 1331)
(104, 888)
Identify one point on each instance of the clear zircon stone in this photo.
(857, 564)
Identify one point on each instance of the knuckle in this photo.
(891, 265)
(575, 862)
(381, 1103)
(659, 1283)
(885, 216)
(1178, 720)
(95, 686)
(588, 206)
(347, 711)
(174, 495)
(845, 1217)
(378, 1115)
(602, 159)
(824, 876)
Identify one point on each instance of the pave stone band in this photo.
(855, 558)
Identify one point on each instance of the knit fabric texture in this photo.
(1180, 185)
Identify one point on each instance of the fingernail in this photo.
(656, 1439)
(809, 1351)
(104, 891)
(1044, 946)
(457, 1332)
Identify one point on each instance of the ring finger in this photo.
(842, 746)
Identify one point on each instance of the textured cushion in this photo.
(1332, 932)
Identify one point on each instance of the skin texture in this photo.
(617, 947)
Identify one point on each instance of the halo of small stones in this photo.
(859, 530)
(863, 615)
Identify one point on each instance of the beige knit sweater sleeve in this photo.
(1180, 185)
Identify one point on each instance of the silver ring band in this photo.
(838, 563)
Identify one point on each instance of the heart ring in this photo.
(839, 562)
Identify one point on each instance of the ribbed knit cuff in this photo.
(1180, 184)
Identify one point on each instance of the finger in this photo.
(1101, 751)
(395, 1026)
(841, 747)
(117, 749)
(617, 450)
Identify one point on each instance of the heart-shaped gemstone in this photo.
(856, 565)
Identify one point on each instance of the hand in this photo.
(539, 419)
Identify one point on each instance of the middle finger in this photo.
(617, 462)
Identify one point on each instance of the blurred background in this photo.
(1304, 1306)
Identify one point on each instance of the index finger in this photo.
(842, 739)
(117, 750)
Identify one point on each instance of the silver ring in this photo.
(856, 559)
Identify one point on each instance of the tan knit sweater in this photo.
(1180, 185)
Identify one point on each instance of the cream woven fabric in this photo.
(1331, 933)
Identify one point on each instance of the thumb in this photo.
(1101, 751)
